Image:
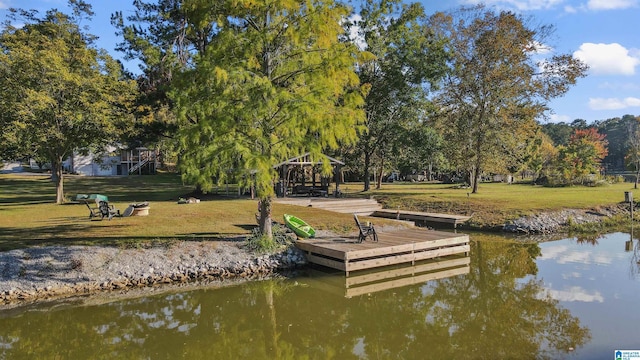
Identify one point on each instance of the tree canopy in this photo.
(497, 83)
(60, 92)
(582, 155)
(164, 36)
(276, 83)
(408, 61)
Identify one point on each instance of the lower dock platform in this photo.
(404, 246)
(422, 216)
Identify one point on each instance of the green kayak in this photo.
(298, 226)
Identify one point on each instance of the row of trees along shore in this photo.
(231, 88)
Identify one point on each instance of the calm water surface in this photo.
(571, 299)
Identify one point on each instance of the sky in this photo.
(602, 33)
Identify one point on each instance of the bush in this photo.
(282, 238)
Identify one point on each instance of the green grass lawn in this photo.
(28, 216)
(496, 202)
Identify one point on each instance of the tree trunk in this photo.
(265, 217)
(367, 164)
(475, 174)
(56, 177)
(380, 175)
(379, 181)
(468, 177)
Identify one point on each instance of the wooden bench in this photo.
(365, 231)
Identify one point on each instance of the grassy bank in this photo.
(28, 216)
(496, 203)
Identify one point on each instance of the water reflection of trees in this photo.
(501, 315)
(495, 311)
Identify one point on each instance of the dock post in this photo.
(413, 253)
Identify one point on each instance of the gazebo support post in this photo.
(337, 174)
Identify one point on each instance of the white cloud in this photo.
(522, 5)
(576, 293)
(607, 59)
(613, 103)
(570, 9)
(572, 275)
(619, 86)
(555, 118)
(354, 32)
(562, 254)
(611, 4)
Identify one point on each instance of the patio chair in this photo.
(107, 210)
(93, 211)
(365, 231)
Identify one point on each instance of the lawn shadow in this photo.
(211, 236)
(247, 227)
(25, 191)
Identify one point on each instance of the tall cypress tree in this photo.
(275, 83)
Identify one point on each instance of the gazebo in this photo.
(298, 176)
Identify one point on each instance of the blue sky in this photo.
(603, 33)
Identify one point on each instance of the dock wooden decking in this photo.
(422, 216)
(394, 247)
(345, 206)
(370, 207)
(380, 279)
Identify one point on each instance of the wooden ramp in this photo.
(348, 206)
(370, 207)
(394, 247)
(390, 277)
(345, 206)
(422, 216)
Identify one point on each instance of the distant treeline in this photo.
(617, 130)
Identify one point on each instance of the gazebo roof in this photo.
(306, 160)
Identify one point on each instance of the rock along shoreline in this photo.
(44, 273)
(556, 221)
(53, 272)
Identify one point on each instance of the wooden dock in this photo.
(370, 207)
(390, 277)
(422, 216)
(394, 247)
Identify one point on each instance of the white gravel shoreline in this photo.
(59, 271)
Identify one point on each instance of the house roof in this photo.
(306, 160)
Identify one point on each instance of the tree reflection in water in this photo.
(497, 310)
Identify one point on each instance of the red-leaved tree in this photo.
(582, 155)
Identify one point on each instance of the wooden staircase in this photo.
(138, 165)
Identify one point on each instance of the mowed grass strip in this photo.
(497, 202)
(28, 216)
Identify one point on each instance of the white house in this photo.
(114, 162)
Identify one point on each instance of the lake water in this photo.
(566, 299)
